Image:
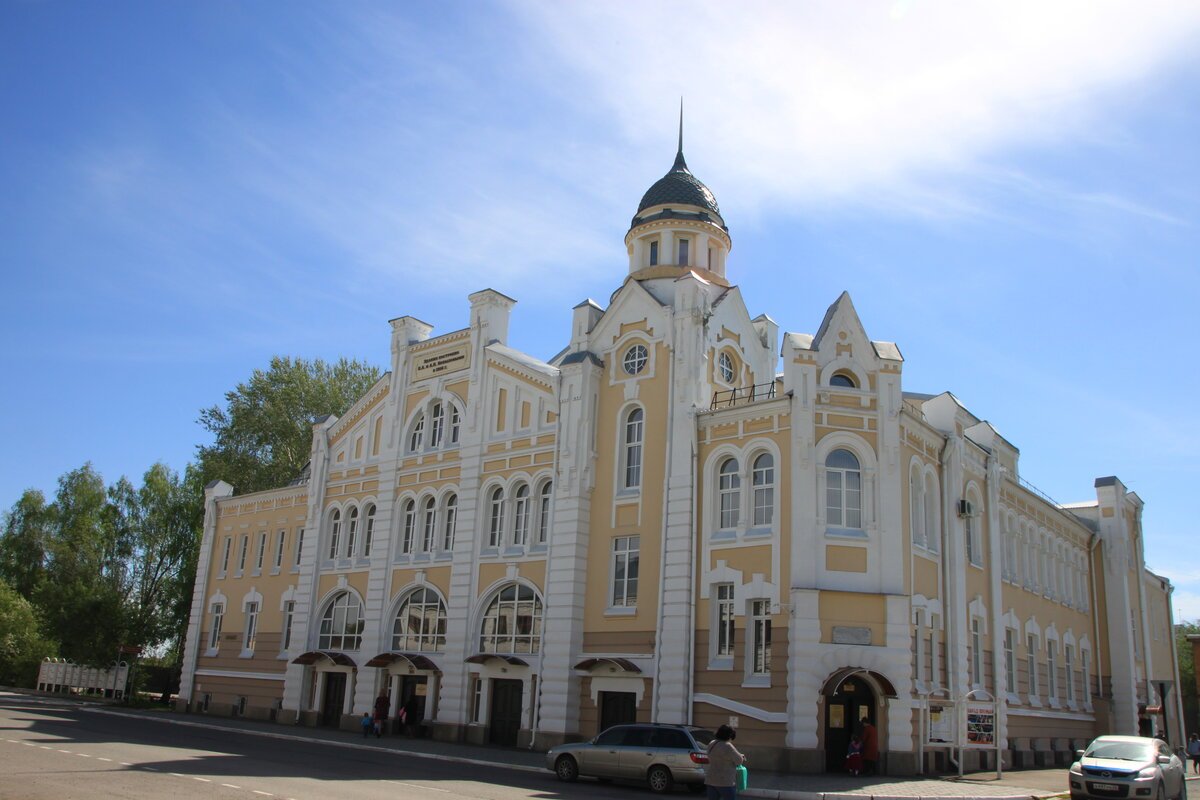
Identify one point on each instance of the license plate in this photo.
(1106, 787)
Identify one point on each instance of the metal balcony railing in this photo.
(727, 398)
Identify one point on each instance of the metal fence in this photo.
(63, 675)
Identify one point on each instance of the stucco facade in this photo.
(680, 517)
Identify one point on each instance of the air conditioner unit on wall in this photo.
(964, 508)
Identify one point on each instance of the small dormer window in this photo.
(683, 252)
(725, 364)
(653, 253)
(843, 380)
(635, 359)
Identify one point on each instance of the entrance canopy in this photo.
(834, 682)
(623, 664)
(483, 658)
(417, 660)
(313, 656)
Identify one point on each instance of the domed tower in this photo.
(678, 227)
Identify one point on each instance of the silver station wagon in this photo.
(661, 755)
(1127, 767)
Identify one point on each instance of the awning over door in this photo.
(835, 681)
(417, 660)
(313, 656)
(623, 664)
(483, 658)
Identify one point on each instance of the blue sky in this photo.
(1010, 192)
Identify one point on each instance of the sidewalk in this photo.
(1024, 784)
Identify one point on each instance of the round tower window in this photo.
(635, 359)
(725, 364)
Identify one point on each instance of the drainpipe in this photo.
(692, 591)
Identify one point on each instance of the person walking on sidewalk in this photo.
(1193, 751)
(720, 774)
(870, 748)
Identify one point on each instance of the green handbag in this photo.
(743, 777)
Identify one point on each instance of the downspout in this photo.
(662, 552)
(693, 591)
(1095, 614)
(1175, 667)
(536, 712)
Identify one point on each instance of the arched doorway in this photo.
(851, 698)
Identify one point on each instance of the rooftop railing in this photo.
(727, 398)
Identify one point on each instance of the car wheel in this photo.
(567, 770)
(660, 780)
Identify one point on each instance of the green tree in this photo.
(23, 543)
(1187, 674)
(263, 435)
(22, 645)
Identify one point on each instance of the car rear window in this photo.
(702, 736)
(672, 738)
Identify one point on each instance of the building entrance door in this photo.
(333, 699)
(850, 705)
(505, 719)
(617, 708)
(413, 693)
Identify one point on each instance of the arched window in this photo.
(341, 624)
(496, 517)
(763, 478)
(933, 539)
(916, 506)
(368, 531)
(843, 490)
(428, 525)
(416, 439)
(437, 425)
(420, 623)
(729, 493)
(521, 516)
(633, 449)
(544, 512)
(843, 380)
(335, 533)
(409, 521)
(454, 424)
(448, 519)
(512, 622)
(351, 531)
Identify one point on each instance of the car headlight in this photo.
(1148, 772)
(1076, 769)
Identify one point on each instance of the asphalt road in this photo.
(61, 750)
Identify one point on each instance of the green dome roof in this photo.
(679, 187)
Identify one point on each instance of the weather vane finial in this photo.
(681, 125)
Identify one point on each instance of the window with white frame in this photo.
(351, 531)
(420, 623)
(653, 253)
(1052, 669)
(243, 549)
(449, 517)
(916, 506)
(512, 622)
(1069, 665)
(299, 546)
(683, 253)
(632, 448)
(933, 665)
(281, 538)
(760, 645)
(251, 633)
(635, 359)
(725, 367)
(843, 490)
(477, 699)
(416, 436)
(225, 555)
(543, 525)
(428, 525)
(262, 552)
(289, 617)
(335, 533)
(625, 571)
(496, 517)
(368, 531)
(437, 425)
(729, 493)
(725, 622)
(1010, 660)
(341, 624)
(918, 638)
(976, 653)
(1031, 653)
(933, 539)
(218, 618)
(455, 424)
(408, 519)
(521, 509)
(972, 535)
(1086, 663)
(763, 479)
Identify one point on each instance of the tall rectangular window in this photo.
(1086, 660)
(725, 621)
(1052, 670)
(653, 254)
(919, 642)
(262, 551)
(448, 523)
(218, 617)
(1031, 648)
(299, 546)
(279, 544)
(242, 553)
(633, 448)
(1069, 663)
(1010, 660)
(625, 571)
(931, 668)
(289, 613)
(760, 621)
(763, 478)
(477, 700)
(683, 253)
(251, 626)
(225, 555)
(976, 653)
(369, 532)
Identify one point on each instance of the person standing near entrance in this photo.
(381, 711)
(870, 748)
(720, 773)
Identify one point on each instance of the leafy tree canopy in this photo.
(263, 435)
(21, 644)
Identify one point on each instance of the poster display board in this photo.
(981, 725)
(940, 724)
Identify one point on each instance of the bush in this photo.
(22, 646)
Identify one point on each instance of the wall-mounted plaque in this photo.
(846, 634)
(440, 362)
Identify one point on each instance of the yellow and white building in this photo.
(680, 517)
